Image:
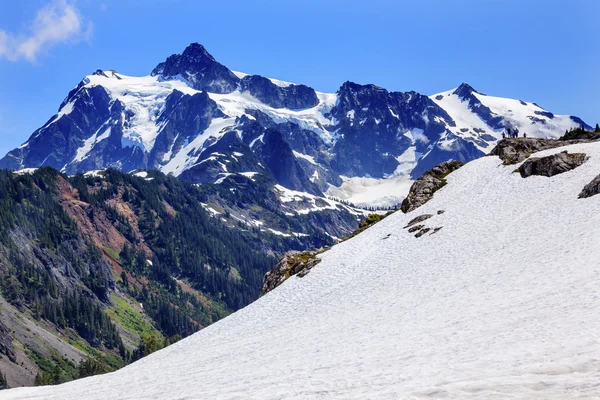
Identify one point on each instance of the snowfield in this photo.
(503, 302)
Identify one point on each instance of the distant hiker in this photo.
(503, 136)
(509, 133)
(524, 135)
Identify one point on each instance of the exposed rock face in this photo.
(6, 345)
(513, 151)
(293, 97)
(184, 118)
(552, 165)
(279, 158)
(292, 263)
(431, 181)
(591, 189)
(199, 68)
(379, 125)
(56, 143)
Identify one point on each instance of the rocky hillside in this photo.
(199, 120)
(98, 270)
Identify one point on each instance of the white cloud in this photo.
(56, 23)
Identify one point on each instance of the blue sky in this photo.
(543, 51)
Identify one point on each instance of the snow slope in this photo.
(502, 302)
(145, 97)
(528, 118)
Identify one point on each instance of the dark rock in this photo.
(546, 114)
(581, 123)
(293, 97)
(292, 263)
(422, 189)
(415, 228)
(422, 232)
(591, 189)
(436, 230)
(513, 151)
(418, 219)
(441, 212)
(552, 165)
(279, 158)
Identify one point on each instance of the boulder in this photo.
(292, 263)
(431, 181)
(552, 165)
(591, 189)
(513, 151)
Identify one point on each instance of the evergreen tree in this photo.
(597, 130)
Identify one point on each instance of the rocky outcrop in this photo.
(431, 181)
(591, 189)
(552, 165)
(292, 263)
(513, 151)
(293, 97)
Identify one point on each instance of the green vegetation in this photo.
(371, 219)
(113, 254)
(28, 205)
(128, 318)
(52, 371)
(580, 133)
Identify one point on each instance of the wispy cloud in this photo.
(58, 22)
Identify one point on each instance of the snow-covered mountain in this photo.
(199, 120)
(500, 302)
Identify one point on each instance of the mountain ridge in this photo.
(168, 119)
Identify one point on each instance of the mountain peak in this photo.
(464, 90)
(200, 69)
(196, 51)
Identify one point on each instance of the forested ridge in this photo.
(115, 265)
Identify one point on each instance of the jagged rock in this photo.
(418, 219)
(552, 165)
(422, 232)
(513, 151)
(423, 189)
(292, 263)
(415, 228)
(591, 189)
